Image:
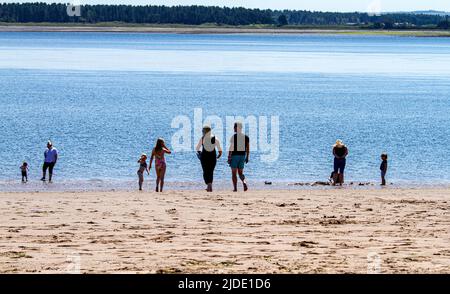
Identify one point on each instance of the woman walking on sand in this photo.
(160, 163)
(208, 155)
(340, 152)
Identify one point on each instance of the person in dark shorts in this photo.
(50, 159)
(383, 168)
(238, 155)
(340, 152)
(208, 150)
(142, 168)
(24, 170)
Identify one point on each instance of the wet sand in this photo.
(301, 231)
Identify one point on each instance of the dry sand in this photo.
(303, 231)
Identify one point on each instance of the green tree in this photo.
(444, 25)
(282, 20)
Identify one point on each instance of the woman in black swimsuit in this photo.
(208, 144)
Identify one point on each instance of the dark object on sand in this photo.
(334, 178)
(300, 184)
(365, 184)
(319, 183)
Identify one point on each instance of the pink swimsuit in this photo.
(160, 161)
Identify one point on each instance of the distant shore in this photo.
(179, 29)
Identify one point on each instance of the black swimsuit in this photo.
(209, 161)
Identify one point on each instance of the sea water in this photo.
(104, 98)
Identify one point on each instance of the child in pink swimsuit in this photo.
(160, 163)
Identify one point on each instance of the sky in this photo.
(317, 5)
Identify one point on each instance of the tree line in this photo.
(197, 15)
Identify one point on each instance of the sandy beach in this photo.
(302, 231)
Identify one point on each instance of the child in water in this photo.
(383, 168)
(24, 169)
(160, 163)
(142, 167)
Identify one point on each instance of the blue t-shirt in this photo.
(50, 155)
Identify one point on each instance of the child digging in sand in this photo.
(24, 169)
(383, 168)
(142, 167)
(160, 163)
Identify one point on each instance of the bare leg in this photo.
(242, 177)
(234, 178)
(141, 180)
(158, 179)
(161, 179)
(209, 187)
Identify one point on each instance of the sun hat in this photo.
(339, 143)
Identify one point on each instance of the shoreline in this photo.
(215, 30)
(321, 231)
(130, 185)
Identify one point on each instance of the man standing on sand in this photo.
(238, 155)
(50, 158)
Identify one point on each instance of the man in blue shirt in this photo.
(50, 158)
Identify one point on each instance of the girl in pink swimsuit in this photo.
(160, 163)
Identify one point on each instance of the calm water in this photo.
(105, 98)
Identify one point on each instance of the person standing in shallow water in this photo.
(340, 152)
(208, 155)
(50, 159)
(24, 170)
(383, 168)
(238, 155)
(142, 167)
(160, 163)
